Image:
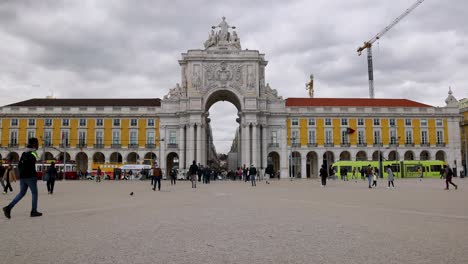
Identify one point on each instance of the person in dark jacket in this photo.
(173, 176)
(323, 175)
(157, 172)
(448, 177)
(28, 178)
(193, 172)
(253, 174)
(2, 171)
(51, 175)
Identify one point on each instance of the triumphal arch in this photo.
(223, 71)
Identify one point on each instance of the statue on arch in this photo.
(223, 33)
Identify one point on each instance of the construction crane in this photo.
(368, 45)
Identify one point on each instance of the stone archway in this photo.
(409, 155)
(361, 156)
(61, 157)
(115, 157)
(132, 158)
(328, 159)
(48, 156)
(375, 155)
(13, 157)
(295, 165)
(274, 161)
(81, 161)
(312, 167)
(345, 155)
(99, 158)
(393, 155)
(172, 161)
(425, 155)
(440, 155)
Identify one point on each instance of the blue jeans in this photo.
(24, 184)
(369, 179)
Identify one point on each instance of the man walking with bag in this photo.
(28, 178)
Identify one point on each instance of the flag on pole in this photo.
(350, 131)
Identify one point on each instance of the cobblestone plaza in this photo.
(232, 222)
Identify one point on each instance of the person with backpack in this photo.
(28, 179)
(193, 172)
(9, 176)
(173, 176)
(51, 175)
(157, 172)
(448, 177)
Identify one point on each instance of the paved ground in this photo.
(230, 222)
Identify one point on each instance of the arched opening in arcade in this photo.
(312, 166)
(409, 155)
(361, 156)
(222, 132)
(12, 157)
(115, 157)
(150, 159)
(424, 155)
(64, 157)
(328, 159)
(393, 155)
(81, 161)
(440, 155)
(274, 161)
(47, 156)
(295, 165)
(345, 155)
(172, 161)
(99, 158)
(132, 158)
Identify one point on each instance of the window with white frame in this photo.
(133, 137)
(65, 139)
(407, 122)
(150, 137)
(48, 122)
(344, 136)
(424, 138)
(409, 136)
(31, 134)
(133, 122)
(328, 136)
(424, 122)
(82, 122)
(376, 122)
(13, 137)
(439, 123)
(14, 122)
(312, 136)
(99, 123)
(344, 121)
(31, 122)
(311, 121)
(99, 137)
(65, 122)
(377, 137)
(82, 137)
(47, 137)
(360, 121)
(172, 137)
(294, 122)
(440, 137)
(328, 121)
(393, 136)
(116, 122)
(150, 122)
(116, 137)
(361, 137)
(391, 121)
(294, 137)
(274, 137)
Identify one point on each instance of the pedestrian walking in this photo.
(151, 175)
(239, 174)
(193, 172)
(9, 176)
(323, 175)
(374, 178)
(173, 176)
(51, 175)
(245, 172)
(448, 177)
(390, 177)
(369, 175)
(268, 173)
(200, 172)
(157, 172)
(98, 174)
(28, 179)
(253, 174)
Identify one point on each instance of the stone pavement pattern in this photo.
(231, 222)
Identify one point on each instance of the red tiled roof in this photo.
(352, 102)
(51, 102)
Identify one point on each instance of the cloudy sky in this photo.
(118, 49)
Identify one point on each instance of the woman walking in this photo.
(51, 175)
(390, 178)
(9, 177)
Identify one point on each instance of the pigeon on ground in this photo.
(131, 194)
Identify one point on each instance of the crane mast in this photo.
(368, 45)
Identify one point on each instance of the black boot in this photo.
(35, 213)
(7, 211)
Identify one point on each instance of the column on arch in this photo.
(264, 146)
(284, 159)
(255, 141)
(246, 144)
(198, 144)
(190, 145)
(303, 165)
(162, 148)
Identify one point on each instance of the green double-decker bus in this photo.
(401, 169)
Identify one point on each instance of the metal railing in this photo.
(172, 145)
(273, 145)
(98, 145)
(133, 145)
(150, 145)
